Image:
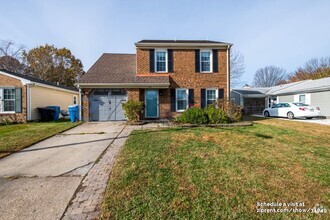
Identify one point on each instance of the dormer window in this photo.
(161, 60)
(206, 61)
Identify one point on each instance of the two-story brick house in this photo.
(168, 76)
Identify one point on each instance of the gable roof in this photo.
(181, 43)
(112, 68)
(37, 80)
(289, 88)
(274, 89)
(316, 85)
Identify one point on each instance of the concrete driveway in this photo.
(38, 182)
(322, 121)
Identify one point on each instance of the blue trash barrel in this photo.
(74, 113)
(57, 110)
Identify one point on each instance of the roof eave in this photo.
(182, 45)
(254, 96)
(26, 82)
(303, 91)
(123, 85)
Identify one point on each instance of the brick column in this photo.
(133, 94)
(85, 104)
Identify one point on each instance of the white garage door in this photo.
(106, 104)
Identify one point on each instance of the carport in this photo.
(252, 100)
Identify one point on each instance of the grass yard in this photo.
(213, 173)
(18, 136)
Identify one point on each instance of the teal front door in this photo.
(151, 101)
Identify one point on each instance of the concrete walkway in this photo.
(39, 182)
(87, 201)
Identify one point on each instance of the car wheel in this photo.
(290, 115)
(309, 117)
(266, 114)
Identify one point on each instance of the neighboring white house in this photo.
(312, 92)
(21, 95)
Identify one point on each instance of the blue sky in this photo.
(283, 33)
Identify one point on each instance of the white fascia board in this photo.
(123, 85)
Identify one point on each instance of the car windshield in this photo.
(300, 104)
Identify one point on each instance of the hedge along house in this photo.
(21, 95)
(168, 76)
(312, 92)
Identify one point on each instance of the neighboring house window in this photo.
(161, 60)
(206, 60)
(302, 98)
(211, 96)
(7, 100)
(75, 100)
(181, 99)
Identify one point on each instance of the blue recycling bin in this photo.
(57, 110)
(74, 113)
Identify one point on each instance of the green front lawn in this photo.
(18, 136)
(213, 173)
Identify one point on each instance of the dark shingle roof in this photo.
(37, 80)
(118, 68)
(180, 41)
(250, 92)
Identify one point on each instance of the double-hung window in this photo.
(161, 60)
(7, 100)
(302, 98)
(211, 96)
(181, 99)
(206, 61)
(75, 100)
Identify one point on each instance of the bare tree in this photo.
(237, 67)
(313, 69)
(11, 56)
(269, 76)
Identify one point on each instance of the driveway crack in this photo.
(75, 171)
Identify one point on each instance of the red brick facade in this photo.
(85, 104)
(184, 76)
(6, 81)
(134, 94)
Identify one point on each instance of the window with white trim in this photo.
(181, 99)
(75, 100)
(161, 60)
(206, 61)
(211, 96)
(302, 98)
(7, 100)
